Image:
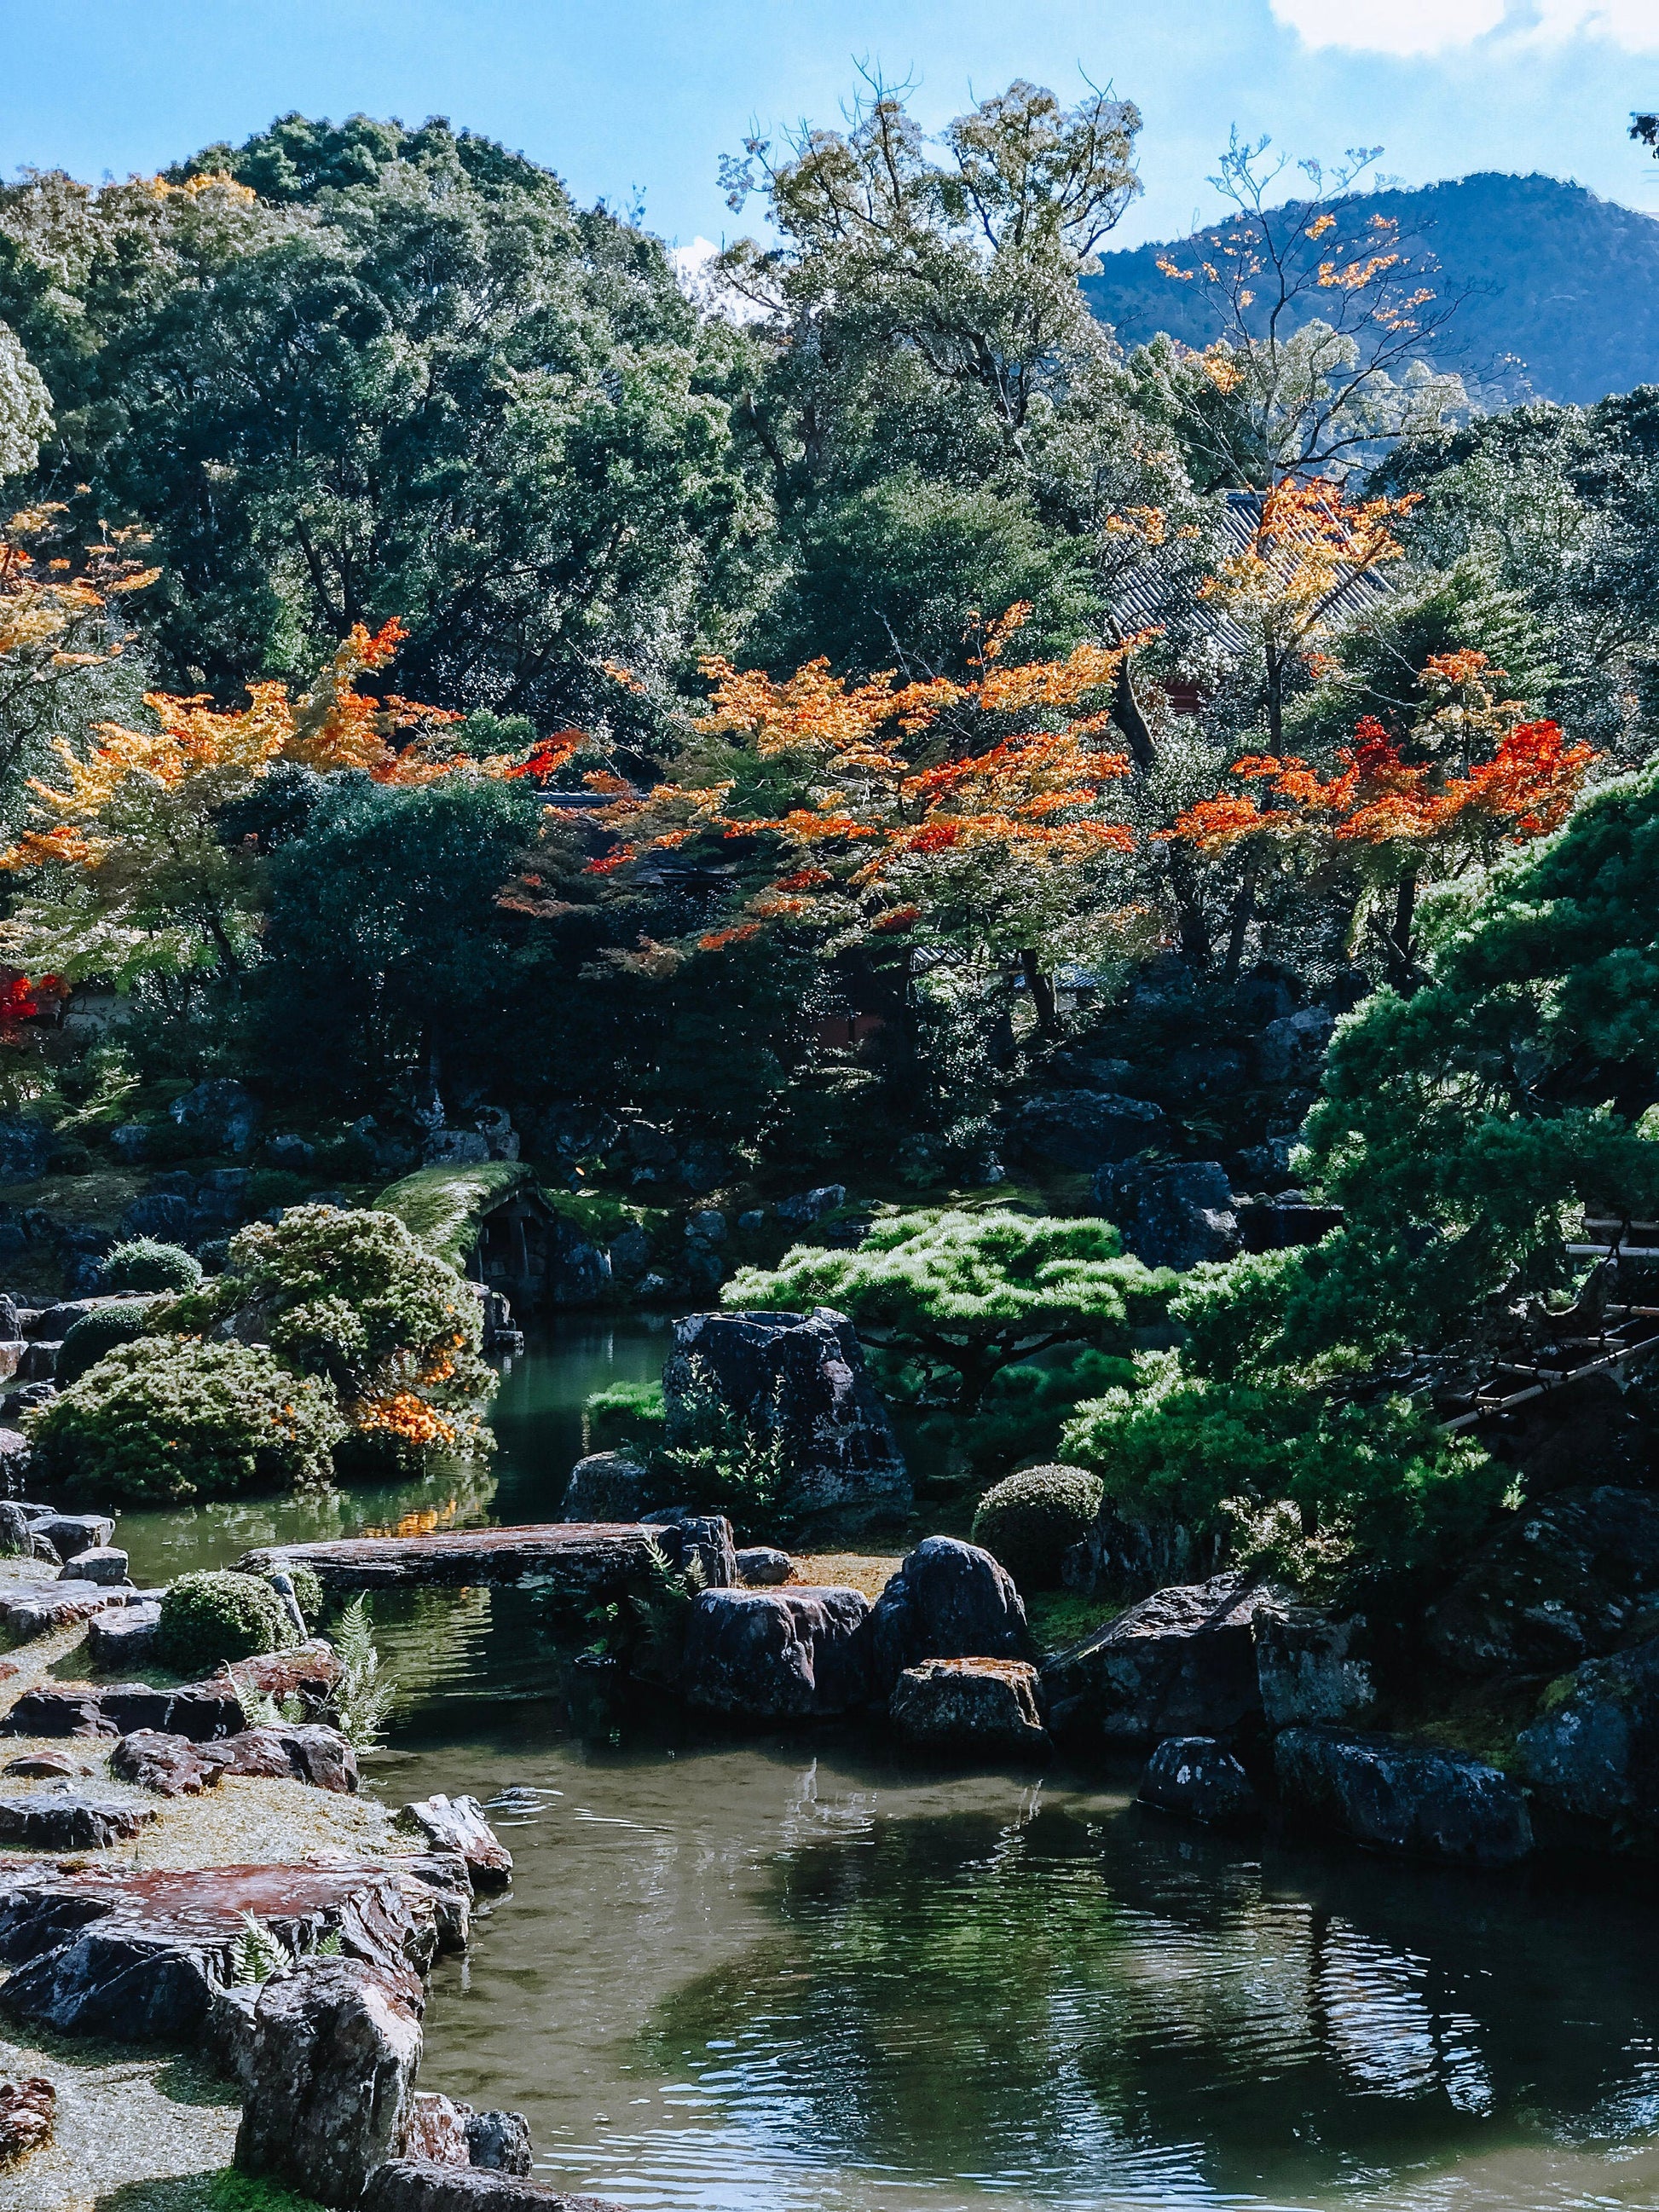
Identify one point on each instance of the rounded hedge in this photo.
(166, 1419)
(208, 1619)
(97, 1332)
(1030, 1519)
(147, 1264)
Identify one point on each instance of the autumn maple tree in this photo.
(1470, 775)
(880, 808)
(125, 870)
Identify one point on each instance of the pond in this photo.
(791, 1976)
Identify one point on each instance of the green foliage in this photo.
(361, 1698)
(444, 1206)
(411, 378)
(209, 1618)
(1464, 1127)
(716, 1461)
(1030, 1519)
(1021, 1412)
(259, 1952)
(163, 1421)
(385, 937)
(1376, 1489)
(99, 1331)
(146, 1264)
(624, 1415)
(969, 1293)
(663, 1611)
(356, 1297)
(901, 566)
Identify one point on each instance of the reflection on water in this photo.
(775, 1976)
(785, 1976)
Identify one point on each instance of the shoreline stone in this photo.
(1404, 1798)
(966, 1706)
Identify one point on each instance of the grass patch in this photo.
(445, 1206)
(1060, 1619)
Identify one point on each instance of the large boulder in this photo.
(773, 1655)
(25, 1149)
(1200, 1779)
(104, 1563)
(1403, 1797)
(200, 1711)
(1181, 1662)
(968, 1708)
(171, 1765)
(124, 1636)
(948, 1600)
(800, 1377)
(1312, 1671)
(283, 1750)
(329, 2079)
(137, 1956)
(1562, 1582)
(608, 1486)
(1292, 1049)
(220, 1115)
(1086, 1129)
(1594, 1754)
(71, 1533)
(1172, 1214)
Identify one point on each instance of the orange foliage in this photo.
(1523, 787)
(1028, 796)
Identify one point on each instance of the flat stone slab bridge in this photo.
(591, 1561)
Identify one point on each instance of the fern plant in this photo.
(260, 1952)
(362, 1696)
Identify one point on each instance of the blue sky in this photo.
(647, 97)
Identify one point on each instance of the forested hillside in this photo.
(1559, 289)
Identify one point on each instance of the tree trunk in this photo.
(1125, 713)
(1041, 989)
(1190, 907)
(1244, 914)
(1404, 907)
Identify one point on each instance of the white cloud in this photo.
(1434, 27)
(1390, 26)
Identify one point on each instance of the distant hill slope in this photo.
(1557, 279)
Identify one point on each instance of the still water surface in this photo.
(791, 1976)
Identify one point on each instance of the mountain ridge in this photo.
(1558, 288)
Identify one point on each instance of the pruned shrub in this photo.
(166, 1419)
(354, 1297)
(208, 1619)
(1030, 1519)
(147, 1264)
(97, 1332)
